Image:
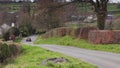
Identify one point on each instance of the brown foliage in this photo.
(15, 48)
(52, 14)
(46, 17)
(23, 19)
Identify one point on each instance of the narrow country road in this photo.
(99, 58)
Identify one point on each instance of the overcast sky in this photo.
(32, 0)
(116, 1)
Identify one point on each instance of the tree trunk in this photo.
(101, 19)
(100, 7)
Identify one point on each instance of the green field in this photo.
(33, 56)
(13, 7)
(83, 7)
(69, 41)
(113, 7)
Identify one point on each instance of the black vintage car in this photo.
(28, 40)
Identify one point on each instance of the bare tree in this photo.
(100, 8)
(46, 16)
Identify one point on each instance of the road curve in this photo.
(99, 58)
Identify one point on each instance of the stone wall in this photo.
(89, 33)
(68, 31)
(59, 32)
(85, 31)
(104, 36)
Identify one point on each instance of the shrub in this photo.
(15, 49)
(4, 52)
(27, 30)
(116, 23)
(6, 36)
(7, 50)
(24, 30)
(15, 31)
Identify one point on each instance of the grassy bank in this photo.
(18, 40)
(32, 57)
(69, 41)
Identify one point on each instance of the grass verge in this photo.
(18, 40)
(69, 41)
(32, 57)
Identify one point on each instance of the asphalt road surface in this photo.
(99, 58)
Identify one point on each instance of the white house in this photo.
(4, 28)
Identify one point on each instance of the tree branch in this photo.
(92, 2)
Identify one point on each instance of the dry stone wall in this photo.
(64, 31)
(104, 36)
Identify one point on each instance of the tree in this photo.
(25, 20)
(26, 8)
(100, 7)
(46, 16)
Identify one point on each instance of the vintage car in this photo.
(28, 40)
